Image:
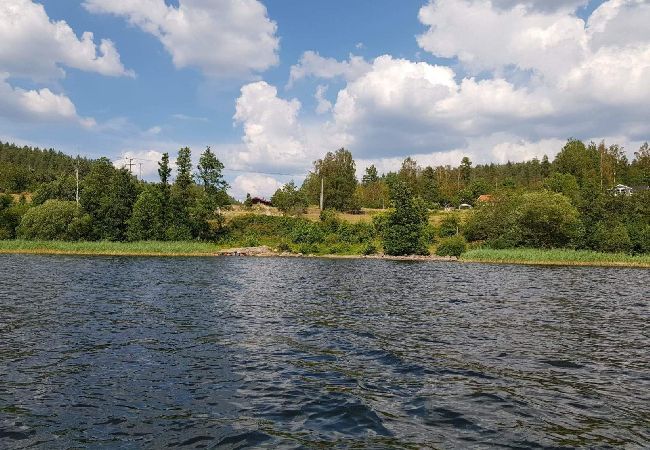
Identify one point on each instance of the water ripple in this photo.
(302, 353)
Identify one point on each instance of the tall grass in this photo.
(146, 248)
(556, 257)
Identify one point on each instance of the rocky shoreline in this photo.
(264, 251)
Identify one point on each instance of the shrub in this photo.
(308, 249)
(534, 219)
(290, 200)
(284, 247)
(308, 233)
(611, 237)
(55, 220)
(452, 246)
(369, 249)
(450, 225)
(10, 216)
(178, 233)
(147, 220)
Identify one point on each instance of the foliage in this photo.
(10, 216)
(63, 188)
(290, 200)
(449, 225)
(147, 223)
(338, 171)
(55, 220)
(108, 195)
(452, 246)
(370, 249)
(533, 219)
(405, 231)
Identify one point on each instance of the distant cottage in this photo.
(260, 201)
(621, 189)
(485, 198)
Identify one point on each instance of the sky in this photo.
(272, 85)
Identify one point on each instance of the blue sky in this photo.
(271, 85)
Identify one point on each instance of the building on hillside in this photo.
(465, 206)
(485, 198)
(621, 189)
(260, 201)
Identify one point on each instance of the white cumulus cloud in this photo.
(33, 46)
(222, 38)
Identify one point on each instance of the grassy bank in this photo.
(149, 248)
(560, 257)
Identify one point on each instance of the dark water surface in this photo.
(232, 353)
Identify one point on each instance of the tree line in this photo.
(566, 202)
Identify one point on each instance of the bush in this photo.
(308, 233)
(178, 233)
(452, 246)
(55, 220)
(370, 249)
(450, 225)
(290, 200)
(611, 237)
(10, 216)
(284, 247)
(308, 249)
(534, 219)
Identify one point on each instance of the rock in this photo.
(247, 251)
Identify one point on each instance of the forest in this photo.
(567, 202)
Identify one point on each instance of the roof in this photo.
(485, 198)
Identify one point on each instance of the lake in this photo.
(298, 353)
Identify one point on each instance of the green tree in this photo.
(63, 188)
(108, 195)
(55, 220)
(545, 167)
(465, 169)
(338, 170)
(406, 232)
(428, 186)
(290, 200)
(564, 183)
(248, 203)
(409, 173)
(10, 215)
(147, 223)
(371, 175)
(164, 172)
(578, 160)
(214, 185)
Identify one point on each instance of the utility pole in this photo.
(322, 191)
(76, 170)
(140, 171)
(130, 165)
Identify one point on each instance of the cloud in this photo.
(38, 105)
(35, 47)
(401, 106)
(257, 185)
(223, 38)
(323, 105)
(312, 64)
(144, 162)
(273, 136)
(190, 118)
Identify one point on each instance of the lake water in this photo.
(301, 353)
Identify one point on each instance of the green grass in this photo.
(147, 248)
(563, 257)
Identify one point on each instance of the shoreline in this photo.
(530, 257)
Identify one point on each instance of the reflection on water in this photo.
(145, 352)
